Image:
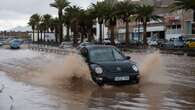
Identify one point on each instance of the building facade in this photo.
(13, 34)
(174, 25)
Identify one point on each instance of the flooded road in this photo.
(37, 81)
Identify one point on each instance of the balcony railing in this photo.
(174, 31)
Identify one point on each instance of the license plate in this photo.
(125, 78)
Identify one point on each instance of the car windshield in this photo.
(105, 54)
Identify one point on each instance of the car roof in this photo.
(89, 47)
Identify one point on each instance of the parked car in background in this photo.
(27, 41)
(109, 65)
(178, 43)
(15, 44)
(168, 44)
(152, 43)
(174, 43)
(65, 45)
(161, 42)
(190, 43)
(7, 41)
(107, 41)
(85, 44)
(1, 43)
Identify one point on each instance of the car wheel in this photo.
(137, 81)
(100, 83)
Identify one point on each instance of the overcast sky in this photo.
(17, 12)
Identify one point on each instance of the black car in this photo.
(109, 66)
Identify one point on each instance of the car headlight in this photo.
(135, 68)
(98, 70)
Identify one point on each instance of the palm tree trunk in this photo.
(33, 39)
(90, 35)
(112, 35)
(38, 35)
(68, 33)
(82, 37)
(44, 36)
(101, 38)
(41, 36)
(145, 32)
(75, 36)
(139, 29)
(56, 35)
(194, 15)
(60, 25)
(75, 39)
(127, 33)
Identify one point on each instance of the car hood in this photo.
(117, 66)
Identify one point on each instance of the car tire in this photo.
(99, 83)
(137, 81)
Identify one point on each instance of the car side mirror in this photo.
(128, 57)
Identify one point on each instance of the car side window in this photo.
(84, 52)
(118, 55)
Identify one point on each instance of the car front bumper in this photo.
(133, 79)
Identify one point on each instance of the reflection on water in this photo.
(30, 93)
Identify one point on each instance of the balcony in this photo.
(174, 31)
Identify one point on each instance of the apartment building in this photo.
(175, 24)
(12, 34)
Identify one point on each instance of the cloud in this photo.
(83, 3)
(17, 12)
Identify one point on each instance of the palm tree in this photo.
(38, 20)
(46, 20)
(74, 13)
(32, 23)
(35, 21)
(67, 22)
(60, 5)
(125, 10)
(54, 27)
(42, 28)
(184, 4)
(89, 22)
(145, 14)
(111, 18)
(98, 10)
(86, 21)
(82, 24)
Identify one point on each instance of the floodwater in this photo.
(37, 81)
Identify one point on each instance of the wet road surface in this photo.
(22, 86)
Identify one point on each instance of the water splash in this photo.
(60, 72)
(152, 69)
